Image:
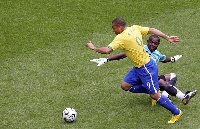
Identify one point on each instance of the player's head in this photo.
(118, 25)
(153, 42)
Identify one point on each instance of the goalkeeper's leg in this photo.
(167, 85)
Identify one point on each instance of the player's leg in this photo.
(172, 78)
(132, 83)
(164, 101)
(162, 82)
(167, 80)
(126, 86)
(135, 89)
(148, 74)
(184, 97)
(138, 89)
(167, 84)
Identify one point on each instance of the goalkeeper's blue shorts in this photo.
(146, 76)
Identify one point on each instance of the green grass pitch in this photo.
(45, 67)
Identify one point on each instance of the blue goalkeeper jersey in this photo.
(155, 55)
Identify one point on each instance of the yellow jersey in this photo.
(130, 41)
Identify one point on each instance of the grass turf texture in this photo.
(44, 65)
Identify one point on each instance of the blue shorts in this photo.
(146, 76)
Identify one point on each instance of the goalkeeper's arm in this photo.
(172, 59)
(117, 57)
(102, 61)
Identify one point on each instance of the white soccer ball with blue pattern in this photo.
(69, 114)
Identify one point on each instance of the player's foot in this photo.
(173, 79)
(153, 103)
(188, 96)
(175, 118)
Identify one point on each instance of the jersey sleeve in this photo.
(116, 43)
(143, 30)
(162, 57)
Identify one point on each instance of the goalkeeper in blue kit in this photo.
(166, 82)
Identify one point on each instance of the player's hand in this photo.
(100, 61)
(175, 58)
(90, 45)
(173, 39)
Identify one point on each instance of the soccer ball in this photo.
(69, 114)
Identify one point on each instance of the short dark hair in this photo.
(154, 37)
(119, 22)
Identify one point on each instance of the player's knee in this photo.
(162, 84)
(155, 96)
(125, 86)
(162, 77)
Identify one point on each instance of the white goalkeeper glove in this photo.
(175, 58)
(100, 61)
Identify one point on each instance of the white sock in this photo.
(180, 95)
(165, 94)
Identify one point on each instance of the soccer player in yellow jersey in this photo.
(145, 71)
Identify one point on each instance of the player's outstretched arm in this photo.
(102, 50)
(117, 57)
(102, 61)
(175, 58)
(171, 39)
(172, 59)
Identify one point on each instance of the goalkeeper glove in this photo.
(100, 61)
(175, 58)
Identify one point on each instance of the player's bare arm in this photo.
(117, 57)
(171, 39)
(102, 50)
(168, 59)
(102, 61)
